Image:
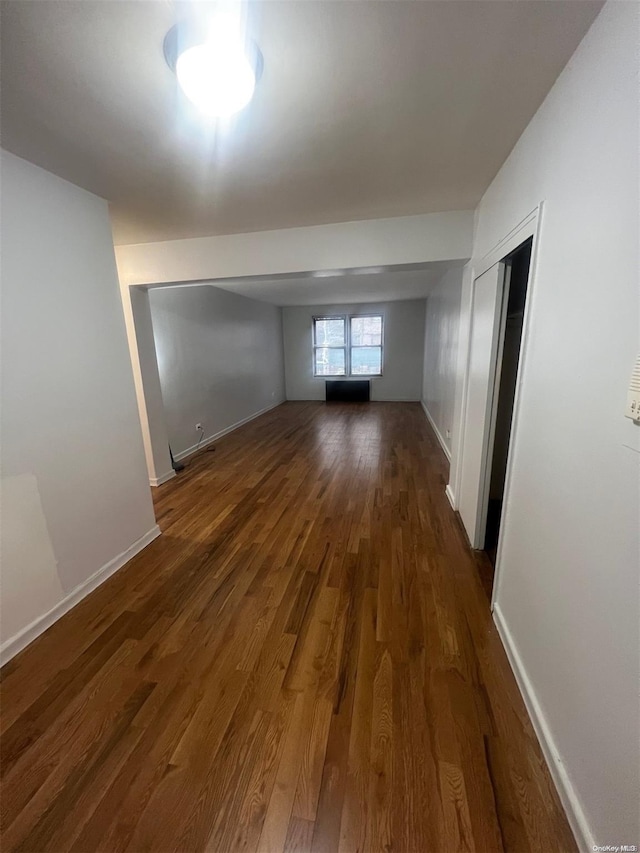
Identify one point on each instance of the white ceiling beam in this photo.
(345, 245)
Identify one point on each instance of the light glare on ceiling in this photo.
(218, 81)
(216, 67)
(368, 270)
(326, 273)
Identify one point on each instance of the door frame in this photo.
(485, 476)
(529, 227)
(483, 423)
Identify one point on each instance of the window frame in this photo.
(317, 346)
(347, 347)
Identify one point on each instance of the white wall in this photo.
(567, 598)
(146, 379)
(219, 357)
(75, 493)
(403, 349)
(441, 354)
(341, 245)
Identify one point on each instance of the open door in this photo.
(486, 335)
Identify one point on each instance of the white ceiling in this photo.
(366, 109)
(388, 284)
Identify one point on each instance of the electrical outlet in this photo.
(448, 433)
(199, 427)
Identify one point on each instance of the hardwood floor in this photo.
(304, 661)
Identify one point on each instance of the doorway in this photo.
(517, 266)
(497, 323)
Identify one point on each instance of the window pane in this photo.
(366, 331)
(329, 362)
(330, 333)
(366, 360)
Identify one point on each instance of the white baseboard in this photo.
(21, 640)
(568, 796)
(158, 481)
(217, 435)
(450, 496)
(444, 447)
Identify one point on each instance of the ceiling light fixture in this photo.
(217, 69)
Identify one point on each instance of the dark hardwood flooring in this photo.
(304, 661)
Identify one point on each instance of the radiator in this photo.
(347, 390)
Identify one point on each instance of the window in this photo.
(366, 346)
(347, 346)
(329, 346)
